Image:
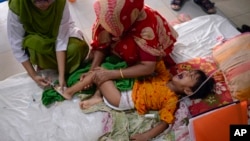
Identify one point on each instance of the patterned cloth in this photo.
(132, 31)
(120, 125)
(233, 58)
(153, 94)
(222, 94)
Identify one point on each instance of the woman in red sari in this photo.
(134, 32)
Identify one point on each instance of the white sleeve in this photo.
(16, 33)
(67, 29)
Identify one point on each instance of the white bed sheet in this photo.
(3, 24)
(198, 36)
(24, 118)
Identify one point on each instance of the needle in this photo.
(51, 84)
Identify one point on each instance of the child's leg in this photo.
(109, 91)
(81, 85)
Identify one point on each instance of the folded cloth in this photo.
(50, 96)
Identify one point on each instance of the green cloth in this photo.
(77, 51)
(49, 96)
(111, 63)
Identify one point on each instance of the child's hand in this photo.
(139, 137)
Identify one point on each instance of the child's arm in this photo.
(153, 132)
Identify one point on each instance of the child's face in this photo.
(184, 81)
(43, 4)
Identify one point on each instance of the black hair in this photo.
(206, 89)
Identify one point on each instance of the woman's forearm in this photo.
(61, 59)
(29, 68)
(142, 69)
(98, 57)
(138, 70)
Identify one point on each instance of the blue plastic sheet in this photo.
(2, 0)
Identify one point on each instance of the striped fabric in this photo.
(233, 58)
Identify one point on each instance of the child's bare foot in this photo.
(81, 85)
(90, 102)
(67, 95)
(63, 93)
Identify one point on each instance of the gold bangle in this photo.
(121, 73)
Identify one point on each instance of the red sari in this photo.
(133, 31)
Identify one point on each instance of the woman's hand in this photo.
(102, 75)
(62, 84)
(41, 81)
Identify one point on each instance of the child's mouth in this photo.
(180, 76)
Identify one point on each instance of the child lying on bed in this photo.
(159, 93)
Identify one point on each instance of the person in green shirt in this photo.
(42, 33)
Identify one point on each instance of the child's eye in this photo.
(191, 74)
